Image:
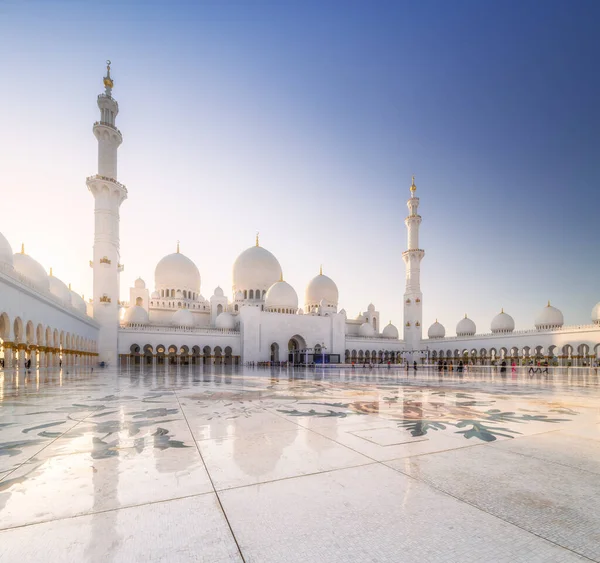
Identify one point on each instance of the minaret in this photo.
(108, 195)
(413, 298)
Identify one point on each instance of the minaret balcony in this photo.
(107, 124)
(92, 181)
(107, 98)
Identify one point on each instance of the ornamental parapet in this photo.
(178, 329)
(27, 285)
(105, 179)
(379, 338)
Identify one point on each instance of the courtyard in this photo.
(227, 463)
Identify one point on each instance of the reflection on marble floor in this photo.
(219, 463)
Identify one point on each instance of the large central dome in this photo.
(176, 271)
(255, 269)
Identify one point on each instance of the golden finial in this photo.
(257, 239)
(22, 248)
(465, 315)
(281, 276)
(435, 321)
(177, 247)
(413, 187)
(321, 270)
(390, 321)
(108, 82)
(50, 271)
(69, 286)
(502, 311)
(548, 303)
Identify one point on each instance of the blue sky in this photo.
(305, 121)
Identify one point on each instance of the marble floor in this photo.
(220, 463)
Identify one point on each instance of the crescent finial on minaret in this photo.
(257, 239)
(108, 81)
(413, 187)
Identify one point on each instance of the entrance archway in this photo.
(296, 345)
(274, 352)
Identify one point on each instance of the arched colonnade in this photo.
(46, 346)
(567, 355)
(164, 355)
(372, 356)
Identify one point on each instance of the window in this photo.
(251, 295)
(245, 294)
(139, 302)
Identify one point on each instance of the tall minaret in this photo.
(413, 298)
(108, 195)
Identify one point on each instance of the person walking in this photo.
(415, 367)
(503, 368)
(460, 368)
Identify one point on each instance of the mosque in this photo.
(44, 321)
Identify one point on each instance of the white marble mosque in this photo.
(262, 319)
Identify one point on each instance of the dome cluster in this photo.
(254, 271)
(549, 318)
(281, 298)
(436, 330)
(176, 276)
(502, 323)
(24, 265)
(465, 327)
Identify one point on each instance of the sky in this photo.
(305, 121)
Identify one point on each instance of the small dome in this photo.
(390, 331)
(321, 288)
(366, 329)
(343, 312)
(465, 327)
(177, 271)
(139, 284)
(225, 320)
(502, 322)
(548, 318)
(182, 317)
(255, 268)
(78, 302)
(6, 253)
(136, 315)
(218, 292)
(59, 289)
(596, 314)
(436, 330)
(281, 295)
(371, 308)
(32, 270)
(155, 295)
